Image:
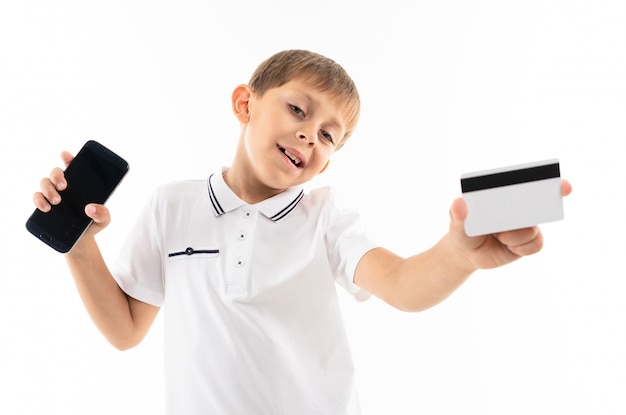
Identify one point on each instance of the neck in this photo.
(246, 187)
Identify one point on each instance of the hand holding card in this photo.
(512, 197)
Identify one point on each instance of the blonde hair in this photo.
(315, 70)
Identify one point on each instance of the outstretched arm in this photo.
(424, 280)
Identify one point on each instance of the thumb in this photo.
(458, 214)
(99, 214)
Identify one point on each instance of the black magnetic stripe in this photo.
(507, 178)
(216, 205)
(289, 207)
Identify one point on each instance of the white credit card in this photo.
(512, 197)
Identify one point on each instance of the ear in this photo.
(240, 100)
(324, 168)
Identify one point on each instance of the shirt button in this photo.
(240, 263)
(242, 236)
(247, 214)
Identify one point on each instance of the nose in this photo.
(309, 137)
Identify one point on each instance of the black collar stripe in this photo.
(289, 207)
(216, 206)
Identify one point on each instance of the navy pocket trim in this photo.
(191, 251)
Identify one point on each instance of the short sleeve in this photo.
(139, 269)
(346, 243)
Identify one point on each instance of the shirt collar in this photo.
(224, 200)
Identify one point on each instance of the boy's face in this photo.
(288, 134)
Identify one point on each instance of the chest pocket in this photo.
(196, 253)
(192, 261)
(192, 272)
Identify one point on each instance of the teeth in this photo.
(293, 158)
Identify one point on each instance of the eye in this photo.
(327, 136)
(296, 110)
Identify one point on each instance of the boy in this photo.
(245, 263)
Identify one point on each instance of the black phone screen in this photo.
(91, 177)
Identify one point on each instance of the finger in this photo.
(531, 247)
(67, 157)
(566, 187)
(49, 191)
(57, 177)
(522, 241)
(41, 202)
(518, 236)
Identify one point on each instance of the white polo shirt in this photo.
(251, 315)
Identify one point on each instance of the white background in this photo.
(447, 87)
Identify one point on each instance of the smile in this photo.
(294, 159)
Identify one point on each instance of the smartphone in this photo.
(91, 177)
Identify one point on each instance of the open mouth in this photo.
(294, 159)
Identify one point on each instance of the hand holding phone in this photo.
(91, 177)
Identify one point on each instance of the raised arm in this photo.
(123, 320)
